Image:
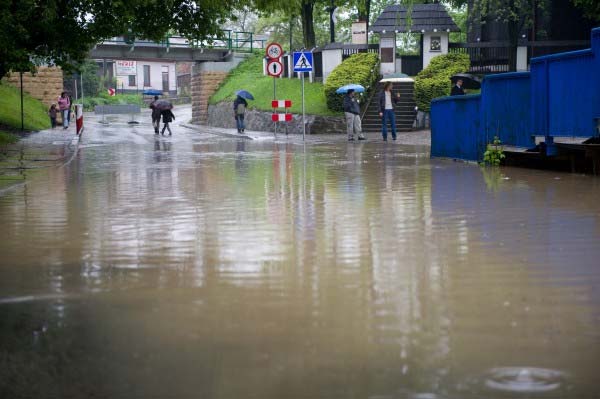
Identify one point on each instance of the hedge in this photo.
(434, 81)
(361, 68)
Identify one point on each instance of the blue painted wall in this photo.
(559, 97)
(456, 128)
(505, 108)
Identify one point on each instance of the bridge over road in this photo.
(177, 48)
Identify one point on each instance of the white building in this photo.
(137, 76)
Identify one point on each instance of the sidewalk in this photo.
(419, 137)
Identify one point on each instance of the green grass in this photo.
(248, 76)
(35, 113)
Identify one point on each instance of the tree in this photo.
(61, 32)
(292, 8)
(517, 15)
(590, 8)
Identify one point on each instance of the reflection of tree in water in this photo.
(492, 177)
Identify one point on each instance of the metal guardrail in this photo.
(118, 109)
(230, 40)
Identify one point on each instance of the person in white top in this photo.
(386, 109)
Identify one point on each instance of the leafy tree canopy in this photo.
(590, 8)
(61, 32)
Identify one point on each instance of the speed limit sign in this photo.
(274, 51)
(274, 68)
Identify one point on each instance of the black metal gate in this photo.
(411, 64)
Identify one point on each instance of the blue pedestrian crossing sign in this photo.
(303, 61)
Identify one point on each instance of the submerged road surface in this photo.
(202, 266)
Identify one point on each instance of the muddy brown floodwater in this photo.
(203, 267)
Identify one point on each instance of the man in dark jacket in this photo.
(352, 113)
(239, 110)
(386, 109)
(167, 117)
(457, 89)
(155, 115)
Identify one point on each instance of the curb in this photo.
(214, 131)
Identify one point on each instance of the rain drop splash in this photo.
(524, 379)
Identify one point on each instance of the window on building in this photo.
(146, 75)
(165, 78)
(132, 80)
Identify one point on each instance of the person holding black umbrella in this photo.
(155, 115)
(457, 89)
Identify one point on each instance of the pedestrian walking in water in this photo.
(155, 115)
(167, 117)
(52, 114)
(64, 104)
(239, 111)
(387, 100)
(352, 113)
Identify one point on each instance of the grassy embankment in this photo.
(248, 76)
(35, 114)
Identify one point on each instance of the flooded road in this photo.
(200, 266)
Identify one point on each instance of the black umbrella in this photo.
(163, 105)
(469, 81)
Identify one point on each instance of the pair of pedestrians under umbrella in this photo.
(162, 109)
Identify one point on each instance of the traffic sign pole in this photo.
(303, 123)
(303, 62)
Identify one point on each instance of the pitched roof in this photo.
(425, 17)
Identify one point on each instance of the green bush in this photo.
(434, 81)
(361, 68)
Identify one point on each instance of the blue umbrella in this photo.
(355, 87)
(152, 92)
(245, 94)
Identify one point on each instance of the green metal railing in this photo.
(231, 40)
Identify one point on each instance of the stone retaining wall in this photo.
(204, 84)
(46, 85)
(221, 115)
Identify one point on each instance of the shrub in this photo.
(494, 153)
(361, 68)
(434, 81)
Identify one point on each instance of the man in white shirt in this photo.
(386, 109)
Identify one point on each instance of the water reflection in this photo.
(218, 269)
